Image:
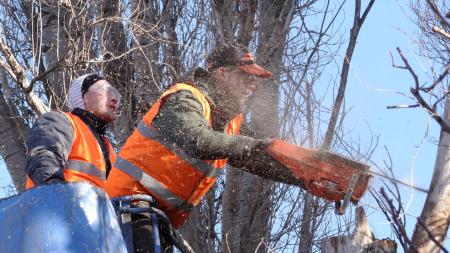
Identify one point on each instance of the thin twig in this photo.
(408, 67)
(438, 80)
(402, 106)
(416, 93)
(397, 221)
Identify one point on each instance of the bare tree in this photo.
(306, 232)
(432, 225)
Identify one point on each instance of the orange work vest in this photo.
(85, 161)
(149, 164)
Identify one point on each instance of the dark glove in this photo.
(252, 150)
(262, 164)
(262, 144)
(54, 181)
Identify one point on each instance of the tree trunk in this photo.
(199, 230)
(247, 206)
(147, 70)
(55, 27)
(306, 232)
(12, 136)
(246, 211)
(233, 201)
(432, 226)
(155, 39)
(224, 16)
(116, 68)
(171, 49)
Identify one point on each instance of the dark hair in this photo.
(89, 81)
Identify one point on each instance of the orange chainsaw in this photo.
(324, 174)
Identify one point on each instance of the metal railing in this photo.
(124, 208)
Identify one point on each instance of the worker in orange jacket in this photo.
(187, 137)
(72, 146)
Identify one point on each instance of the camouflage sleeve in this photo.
(181, 121)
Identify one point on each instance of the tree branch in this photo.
(442, 32)
(358, 22)
(416, 93)
(434, 8)
(408, 67)
(398, 225)
(401, 106)
(438, 80)
(18, 74)
(369, 6)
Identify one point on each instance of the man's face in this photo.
(235, 84)
(102, 100)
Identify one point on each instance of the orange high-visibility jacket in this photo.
(85, 161)
(149, 164)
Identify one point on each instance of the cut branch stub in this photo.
(362, 239)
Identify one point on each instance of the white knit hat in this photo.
(75, 99)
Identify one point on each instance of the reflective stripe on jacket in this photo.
(85, 161)
(148, 163)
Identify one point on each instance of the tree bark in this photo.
(224, 16)
(116, 67)
(12, 137)
(154, 28)
(55, 45)
(233, 201)
(199, 229)
(306, 231)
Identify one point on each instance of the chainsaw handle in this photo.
(351, 186)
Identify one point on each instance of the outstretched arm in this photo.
(181, 120)
(260, 163)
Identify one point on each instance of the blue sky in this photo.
(372, 85)
(5, 179)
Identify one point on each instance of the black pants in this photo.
(143, 241)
